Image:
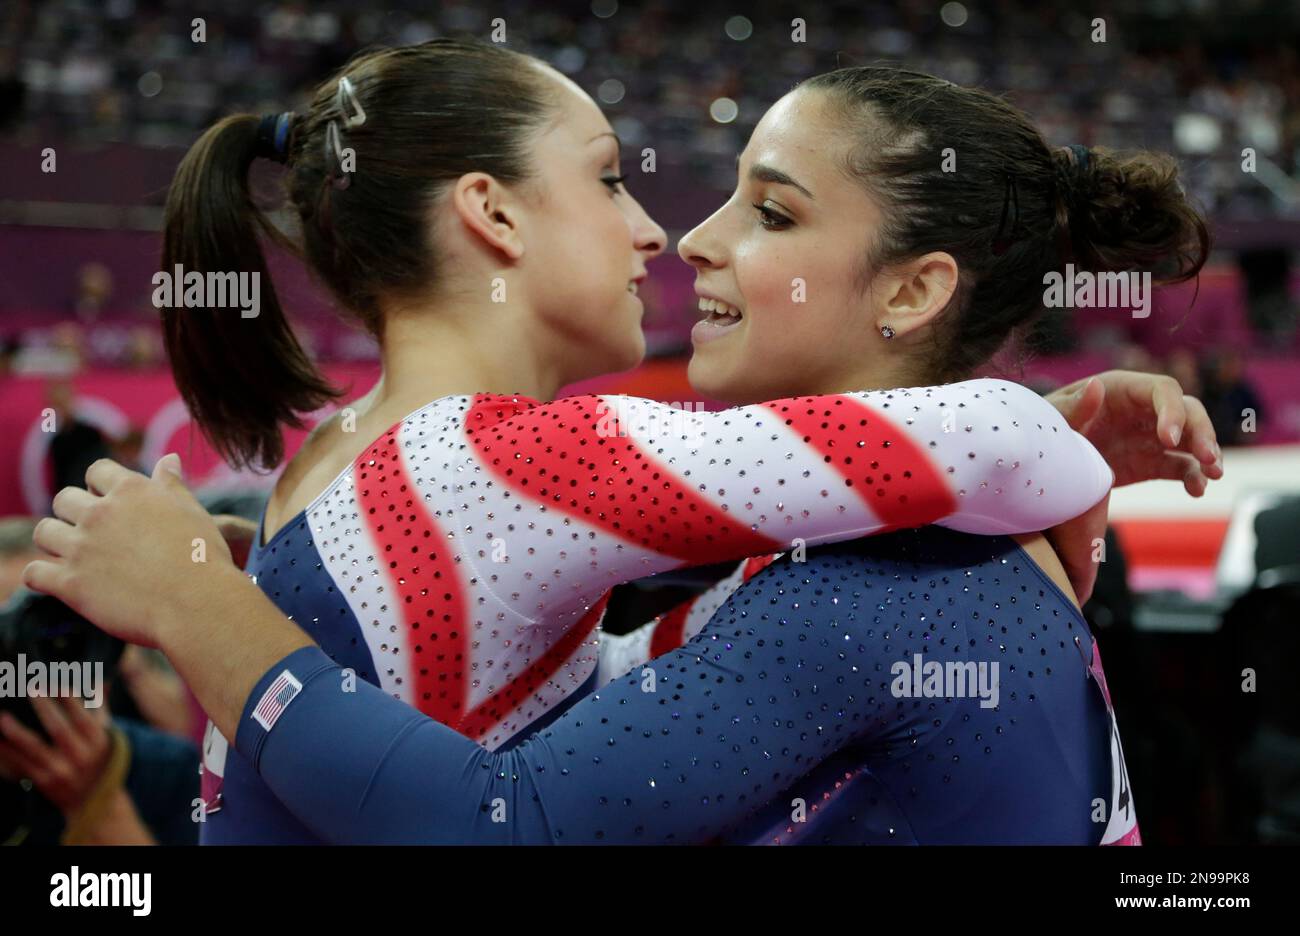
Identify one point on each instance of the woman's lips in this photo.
(713, 328)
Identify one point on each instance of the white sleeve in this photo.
(589, 492)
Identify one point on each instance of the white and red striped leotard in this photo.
(463, 561)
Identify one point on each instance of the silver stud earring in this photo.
(886, 331)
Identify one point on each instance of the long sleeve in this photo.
(475, 541)
(585, 493)
(733, 719)
(804, 663)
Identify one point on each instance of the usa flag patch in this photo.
(277, 697)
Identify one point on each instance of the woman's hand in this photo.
(141, 559)
(1144, 426)
(131, 551)
(66, 768)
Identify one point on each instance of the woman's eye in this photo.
(771, 219)
(614, 182)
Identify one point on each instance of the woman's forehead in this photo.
(580, 114)
(793, 136)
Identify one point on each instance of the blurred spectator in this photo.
(126, 450)
(156, 693)
(1184, 366)
(10, 348)
(76, 444)
(94, 291)
(143, 348)
(130, 71)
(1231, 401)
(110, 782)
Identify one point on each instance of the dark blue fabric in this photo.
(787, 691)
(163, 781)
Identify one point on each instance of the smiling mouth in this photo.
(720, 313)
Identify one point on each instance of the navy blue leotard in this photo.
(795, 715)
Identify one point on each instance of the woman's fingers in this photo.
(105, 474)
(1200, 438)
(54, 536)
(1167, 399)
(72, 503)
(48, 578)
(1080, 403)
(1179, 466)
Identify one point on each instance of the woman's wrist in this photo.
(211, 591)
(221, 635)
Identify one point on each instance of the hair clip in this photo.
(347, 100)
(339, 177)
(1001, 244)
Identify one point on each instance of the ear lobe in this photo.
(488, 211)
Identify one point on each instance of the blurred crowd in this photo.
(127, 70)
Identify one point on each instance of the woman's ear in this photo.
(919, 290)
(489, 211)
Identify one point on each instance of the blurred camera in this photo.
(39, 629)
(36, 629)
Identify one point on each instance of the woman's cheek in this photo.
(761, 277)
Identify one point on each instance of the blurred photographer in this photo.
(70, 772)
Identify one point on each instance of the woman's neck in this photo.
(880, 375)
(429, 352)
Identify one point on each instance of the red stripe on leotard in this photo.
(887, 470)
(515, 693)
(603, 480)
(423, 576)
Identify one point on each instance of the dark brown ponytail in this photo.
(433, 112)
(240, 377)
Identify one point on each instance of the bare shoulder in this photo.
(1044, 556)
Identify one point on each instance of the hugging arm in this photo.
(645, 487)
(755, 701)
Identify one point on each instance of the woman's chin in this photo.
(709, 380)
(624, 356)
(635, 351)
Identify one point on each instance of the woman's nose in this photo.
(693, 247)
(648, 236)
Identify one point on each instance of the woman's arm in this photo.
(616, 488)
(721, 726)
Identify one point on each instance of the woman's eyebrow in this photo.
(608, 133)
(761, 173)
